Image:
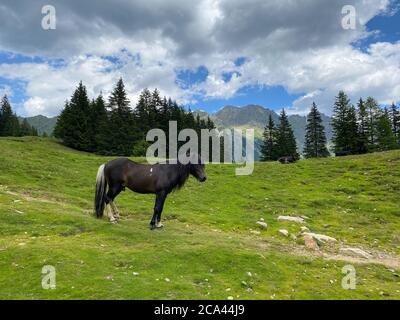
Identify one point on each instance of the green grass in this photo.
(206, 247)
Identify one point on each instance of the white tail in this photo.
(101, 189)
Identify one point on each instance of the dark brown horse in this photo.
(160, 179)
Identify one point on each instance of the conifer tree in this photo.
(340, 111)
(102, 135)
(352, 129)
(9, 124)
(344, 124)
(122, 125)
(315, 140)
(285, 140)
(362, 120)
(141, 112)
(385, 138)
(268, 147)
(373, 115)
(73, 126)
(395, 120)
(154, 113)
(61, 127)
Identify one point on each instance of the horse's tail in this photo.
(101, 189)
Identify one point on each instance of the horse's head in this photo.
(197, 168)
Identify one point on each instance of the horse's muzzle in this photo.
(203, 179)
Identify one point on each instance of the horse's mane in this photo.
(183, 171)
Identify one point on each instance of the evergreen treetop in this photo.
(315, 139)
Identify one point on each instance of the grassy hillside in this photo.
(211, 246)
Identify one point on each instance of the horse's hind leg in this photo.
(110, 214)
(114, 210)
(113, 192)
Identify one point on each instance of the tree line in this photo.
(364, 128)
(356, 130)
(10, 126)
(112, 127)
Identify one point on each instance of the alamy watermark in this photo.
(48, 277)
(349, 279)
(49, 21)
(349, 20)
(235, 147)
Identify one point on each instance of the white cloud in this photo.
(6, 90)
(298, 45)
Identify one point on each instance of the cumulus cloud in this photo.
(298, 45)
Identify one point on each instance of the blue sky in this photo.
(205, 62)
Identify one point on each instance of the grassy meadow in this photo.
(211, 246)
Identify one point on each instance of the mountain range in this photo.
(250, 116)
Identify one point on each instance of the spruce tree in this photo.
(164, 115)
(362, 119)
(268, 147)
(395, 120)
(74, 124)
(9, 124)
(352, 129)
(373, 115)
(340, 110)
(122, 125)
(315, 140)
(61, 126)
(344, 124)
(102, 135)
(285, 140)
(385, 138)
(154, 110)
(141, 113)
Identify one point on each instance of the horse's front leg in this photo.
(158, 207)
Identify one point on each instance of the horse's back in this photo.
(116, 169)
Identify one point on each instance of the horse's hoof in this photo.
(159, 225)
(114, 221)
(153, 227)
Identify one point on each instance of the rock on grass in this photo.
(262, 224)
(291, 219)
(355, 252)
(320, 237)
(284, 232)
(310, 242)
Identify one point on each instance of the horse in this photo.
(159, 179)
(287, 159)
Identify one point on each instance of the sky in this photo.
(204, 54)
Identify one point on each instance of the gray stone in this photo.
(320, 237)
(291, 219)
(355, 252)
(262, 224)
(284, 232)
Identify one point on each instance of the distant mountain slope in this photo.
(249, 116)
(42, 123)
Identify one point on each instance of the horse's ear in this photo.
(200, 159)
